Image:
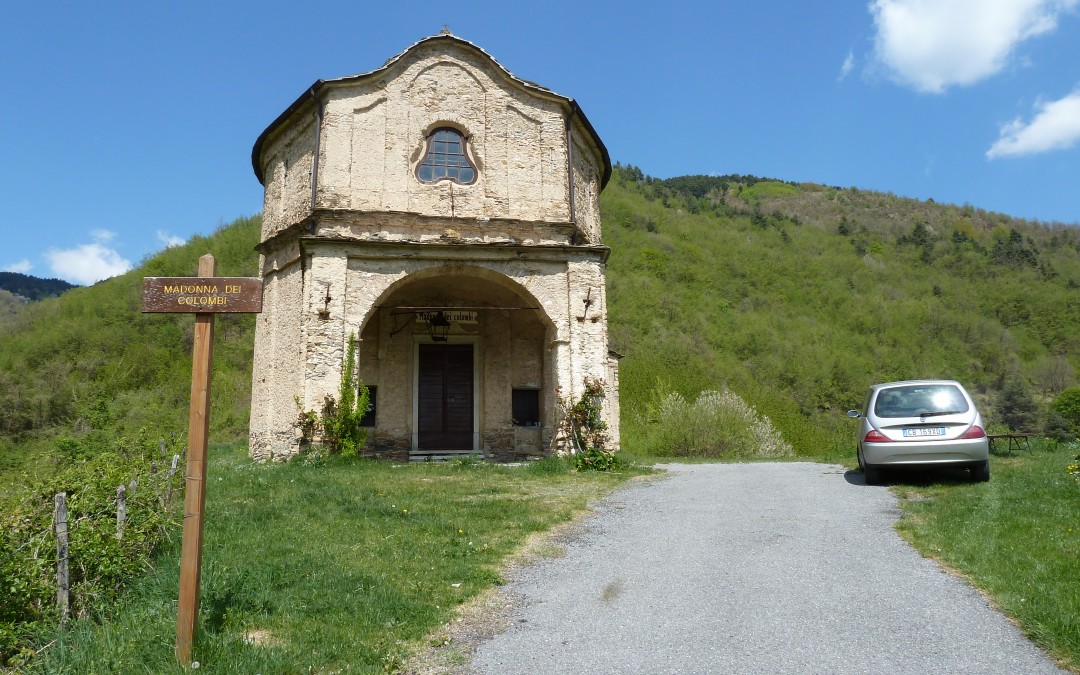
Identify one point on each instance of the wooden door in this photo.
(445, 399)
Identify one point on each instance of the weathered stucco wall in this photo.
(519, 246)
(374, 131)
(612, 402)
(553, 347)
(287, 199)
(277, 375)
(586, 176)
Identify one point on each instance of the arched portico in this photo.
(487, 385)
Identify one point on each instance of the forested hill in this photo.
(799, 296)
(32, 288)
(796, 297)
(87, 370)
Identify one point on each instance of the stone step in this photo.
(441, 455)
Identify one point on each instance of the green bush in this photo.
(1017, 407)
(596, 459)
(338, 424)
(716, 424)
(585, 432)
(100, 562)
(1067, 404)
(582, 421)
(1057, 428)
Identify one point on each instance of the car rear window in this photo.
(914, 400)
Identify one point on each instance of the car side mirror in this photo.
(854, 414)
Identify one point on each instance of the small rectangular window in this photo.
(526, 407)
(369, 416)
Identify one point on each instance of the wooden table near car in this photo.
(1019, 441)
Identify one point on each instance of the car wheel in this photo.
(981, 472)
(871, 474)
(858, 455)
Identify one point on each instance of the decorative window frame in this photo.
(428, 149)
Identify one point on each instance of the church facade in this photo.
(446, 214)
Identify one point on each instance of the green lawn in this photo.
(1017, 538)
(339, 567)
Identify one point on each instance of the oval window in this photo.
(445, 158)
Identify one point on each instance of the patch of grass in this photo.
(769, 188)
(551, 466)
(339, 567)
(1016, 537)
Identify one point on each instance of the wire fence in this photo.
(164, 488)
(75, 537)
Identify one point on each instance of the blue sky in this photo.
(127, 127)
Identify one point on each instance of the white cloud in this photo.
(170, 240)
(22, 267)
(86, 264)
(1056, 126)
(848, 65)
(931, 45)
(102, 236)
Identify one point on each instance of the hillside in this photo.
(10, 304)
(88, 369)
(796, 297)
(800, 296)
(32, 288)
(18, 289)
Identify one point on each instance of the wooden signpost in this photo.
(204, 296)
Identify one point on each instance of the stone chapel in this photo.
(446, 213)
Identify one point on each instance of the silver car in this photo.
(920, 423)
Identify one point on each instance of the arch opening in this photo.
(487, 387)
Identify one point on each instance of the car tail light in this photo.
(974, 432)
(876, 436)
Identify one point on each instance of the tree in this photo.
(1057, 428)
(1054, 374)
(1067, 404)
(1017, 407)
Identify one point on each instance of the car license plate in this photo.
(924, 431)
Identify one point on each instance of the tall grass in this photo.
(339, 567)
(1017, 537)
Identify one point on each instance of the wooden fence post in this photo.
(121, 510)
(172, 472)
(63, 581)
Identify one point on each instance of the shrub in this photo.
(596, 459)
(582, 422)
(1017, 407)
(1057, 428)
(717, 424)
(586, 432)
(100, 562)
(1067, 404)
(338, 424)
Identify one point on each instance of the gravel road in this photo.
(749, 568)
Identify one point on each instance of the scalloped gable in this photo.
(306, 99)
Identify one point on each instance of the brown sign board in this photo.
(202, 295)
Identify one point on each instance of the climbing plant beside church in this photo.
(584, 429)
(338, 425)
